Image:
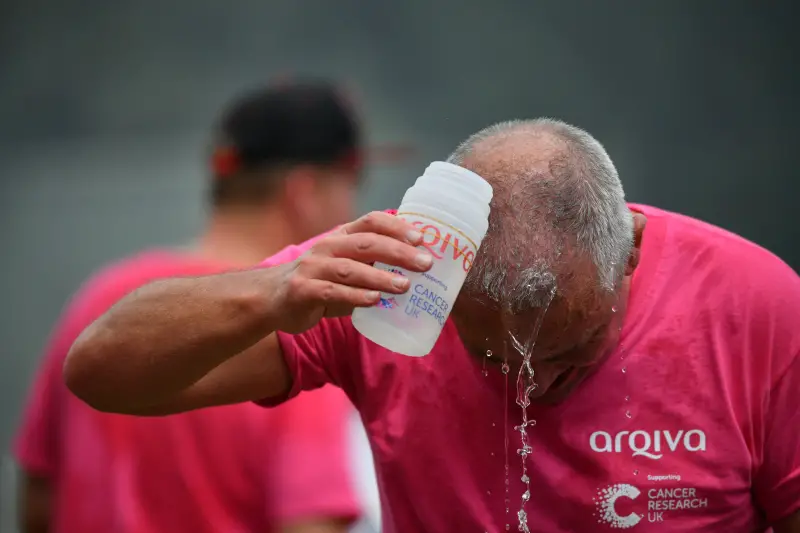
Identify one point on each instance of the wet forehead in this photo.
(564, 325)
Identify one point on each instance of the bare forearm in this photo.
(166, 336)
(184, 344)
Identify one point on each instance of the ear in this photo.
(639, 223)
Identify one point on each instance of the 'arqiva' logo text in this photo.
(436, 242)
(643, 443)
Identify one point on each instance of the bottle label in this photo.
(432, 294)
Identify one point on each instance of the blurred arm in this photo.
(34, 505)
(37, 443)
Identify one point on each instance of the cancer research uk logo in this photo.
(606, 511)
(619, 506)
(387, 303)
(661, 501)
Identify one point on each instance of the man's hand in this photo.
(336, 275)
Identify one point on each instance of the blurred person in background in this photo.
(285, 165)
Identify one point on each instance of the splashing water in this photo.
(484, 371)
(526, 384)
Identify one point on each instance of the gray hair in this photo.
(578, 198)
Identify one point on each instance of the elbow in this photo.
(85, 373)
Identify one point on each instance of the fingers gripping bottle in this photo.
(450, 206)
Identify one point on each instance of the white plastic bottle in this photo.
(450, 206)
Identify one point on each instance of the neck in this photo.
(245, 238)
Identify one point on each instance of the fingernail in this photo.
(400, 282)
(424, 260)
(414, 236)
(371, 296)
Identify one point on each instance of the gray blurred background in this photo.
(105, 109)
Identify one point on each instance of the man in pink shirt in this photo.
(285, 169)
(666, 367)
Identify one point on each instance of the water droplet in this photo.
(635, 472)
(627, 398)
(493, 424)
(489, 492)
(624, 369)
(613, 308)
(504, 368)
(628, 414)
(508, 527)
(488, 353)
(485, 372)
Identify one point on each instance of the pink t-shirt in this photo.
(692, 425)
(235, 469)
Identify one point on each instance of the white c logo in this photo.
(605, 505)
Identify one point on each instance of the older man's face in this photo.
(570, 341)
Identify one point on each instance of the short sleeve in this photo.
(777, 482)
(309, 474)
(318, 357)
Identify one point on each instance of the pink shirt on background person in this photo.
(234, 469)
(693, 424)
